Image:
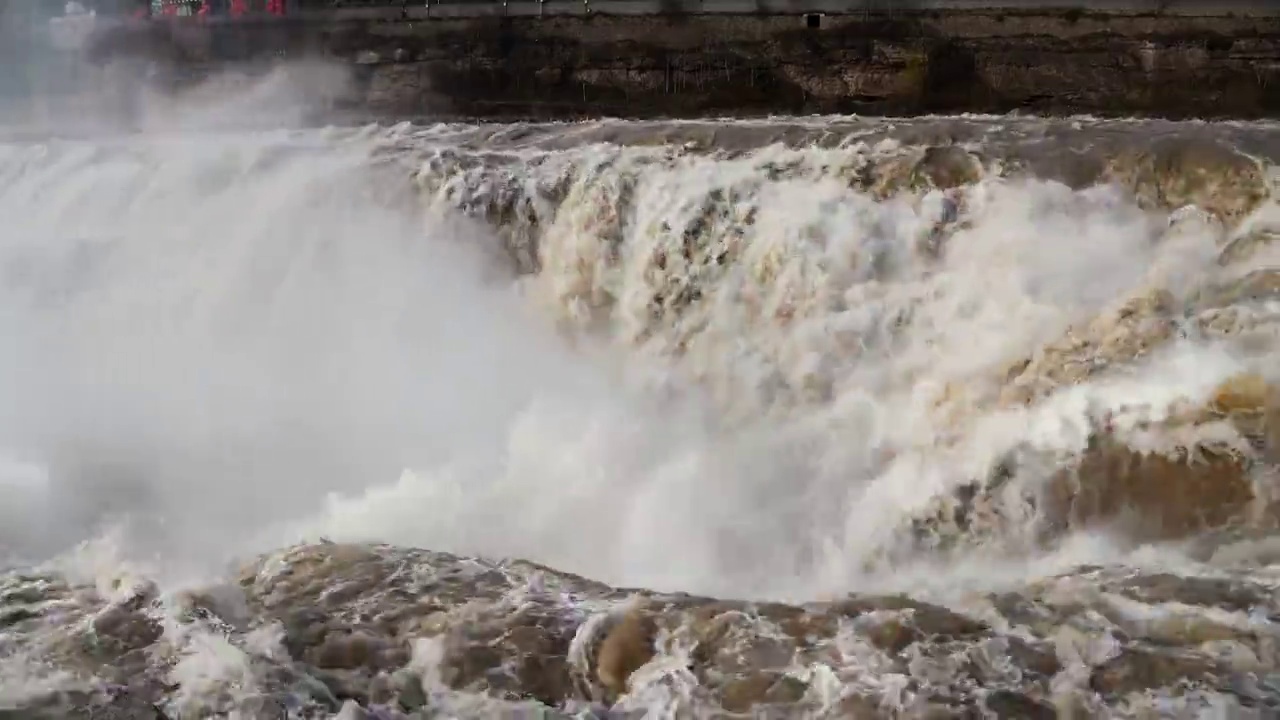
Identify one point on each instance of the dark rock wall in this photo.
(699, 65)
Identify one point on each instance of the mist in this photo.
(210, 319)
(222, 331)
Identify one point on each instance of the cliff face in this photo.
(696, 65)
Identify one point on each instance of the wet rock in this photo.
(1175, 173)
(732, 640)
(927, 619)
(1248, 245)
(1252, 405)
(943, 167)
(14, 615)
(31, 591)
(468, 666)
(936, 621)
(1077, 170)
(944, 711)
(1120, 335)
(626, 647)
(1150, 496)
(507, 652)
(892, 636)
(1187, 629)
(947, 167)
(263, 707)
(743, 694)
(110, 703)
(802, 626)
(495, 632)
(1247, 393)
(304, 628)
(345, 684)
(1184, 490)
(1039, 660)
(121, 629)
(313, 690)
(862, 707)
(1007, 705)
(1224, 593)
(1257, 286)
(535, 650)
(1136, 669)
(409, 693)
(346, 651)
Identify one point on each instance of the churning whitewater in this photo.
(952, 417)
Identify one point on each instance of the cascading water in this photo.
(989, 400)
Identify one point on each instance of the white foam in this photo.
(234, 340)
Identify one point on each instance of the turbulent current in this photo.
(818, 418)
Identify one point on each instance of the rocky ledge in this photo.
(388, 632)
(684, 65)
(1204, 462)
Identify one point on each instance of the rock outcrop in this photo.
(868, 62)
(385, 632)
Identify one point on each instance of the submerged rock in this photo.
(1187, 489)
(947, 167)
(1122, 334)
(1150, 496)
(1257, 286)
(1175, 173)
(1248, 245)
(1191, 488)
(941, 167)
(1190, 471)
(1137, 669)
(625, 649)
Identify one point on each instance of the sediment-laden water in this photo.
(817, 418)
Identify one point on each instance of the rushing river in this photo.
(954, 417)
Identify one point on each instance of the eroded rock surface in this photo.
(1206, 174)
(398, 632)
(685, 243)
(872, 60)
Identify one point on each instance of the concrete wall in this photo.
(493, 60)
